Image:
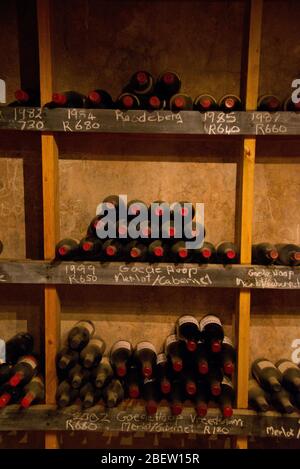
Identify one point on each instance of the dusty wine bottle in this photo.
(99, 99)
(214, 378)
(65, 394)
(174, 351)
(113, 393)
(267, 375)
(19, 345)
(205, 103)
(102, 373)
(132, 381)
(204, 254)
(187, 328)
(290, 374)
(66, 359)
(212, 333)
(27, 98)
(112, 250)
(181, 102)
(78, 376)
(150, 395)
(201, 399)
(128, 102)
(226, 397)
(230, 103)
(120, 354)
(282, 402)
(25, 369)
(228, 356)
(163, 373)
(10, 395)
(289, 254)
(180, 253)
(257, 397)
(34, 391)
(189, 382)
(90, 248)
(80, 335)
(157, 251)
(135, 251)
(227, 253)
(264, 253)
(201, 358)
(92, 353)
(176, 397)
(145, 355)
(67, 99)
(141, 83)
(89, 395)
(67, 249)
(268, 103)
(290, 106)
(168, 83)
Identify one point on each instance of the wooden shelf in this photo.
(131, 417)
(156, 122)
(153, 275)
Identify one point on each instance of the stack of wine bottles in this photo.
(196, 364)
(282, 254)
(276, 385)
(19, 378)
(161, 247)
(143, 91)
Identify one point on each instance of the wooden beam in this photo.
(245, 193)
(51, 211)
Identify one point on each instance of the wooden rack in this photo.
(243, 277)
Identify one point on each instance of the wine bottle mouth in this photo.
(27, 400)
(229, 103)
(141, 78)
(205, 103)
(177, 366)
(227, 412)
(191, 345)
(87, 246)
(229, 368)
(297, 256)
(134, 392)
(95, 97)
(127, 102)
(59, 98)
(215, 390)
(111, 251)
(135, 253)
(216, 346)
(171, 232)
(4, 399)
(230, 254)
(154, 102)
(151, 407)
(21, 95)
(191, 389)
(63, 363)
(273, 103)
(63, 250)
(183, 253)
(158, 251)
(176, 409)
(147, 371)
(273, 254)
(121, 371)
(16, 379)
(122, 230)
(203, 368)
(165, 387)
(206, 253)
(169, 78)
(159, 212)
(179, 102)
(201, 410)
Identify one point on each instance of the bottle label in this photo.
(286, 366)
(210, 319)
(87, 325)
(98, 342)
(170, 340)
(186, 319)
(121, 344)
(30, 361)
(161, 358)
(227, 381)
(143, 345)
(227, 341)
(265, 364)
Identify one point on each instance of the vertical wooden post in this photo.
(51, 211)
(245, 193)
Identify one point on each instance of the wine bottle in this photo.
(205, 103)
(290, 374)
(214, 378)
(103, 373)
(227, 253)
(80, 335)
(120, 354)
(27, 98)
(114, 201)
(113, 393)
(141, 83)
(180, 253)
(66, 359)
(94, 224)
(67, 249)
(78, 376)
(268, 103)
(289, 254)
(181, 102)
(161, 208)
(90, 248)
(187, 328)
(201, 399)
(169, 231)
(229, 103)
(282, 402)
(212, 333)
(25, 369)
(257, 397)
(184, 209)
(34, 391)
(122, 231)
(136, 207)
(157, 251)
(150, 395)
(99, 99)
(226, 397)
(133, 381)
(10, 395)
(290, 106)
(264, 253)
(163, 373)
(5, 372)
(89, 395)
(174, 351)
(204, 254)
(267, 375)
(176, 397)
(65, 394)
(112, 250)
(19, 345)
(153, 103)
(92, 353)
(67, 99)
(228, 356)
(201, 358)
(145, 354)
(128, 102)
(168, 84)
(135, 251)
(189, 381)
